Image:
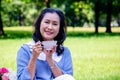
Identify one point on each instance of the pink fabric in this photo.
(4, 77)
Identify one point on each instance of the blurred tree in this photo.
(23, 12)
(47, 3)
(109, 15)
(116, 10)
(105, 10)
(12, 15)
(97, 14)
(118, 21)
(19, 5)
(34, 8)
(1, 24)
(77, 12)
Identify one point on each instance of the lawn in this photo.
(95, 56)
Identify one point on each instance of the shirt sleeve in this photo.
(23, 57)
(67, 66)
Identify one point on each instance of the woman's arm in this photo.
(31, 67)
(67, 62)
(36, 50)
(26, 64)
(54, 68)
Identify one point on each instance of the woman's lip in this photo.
(48, 32)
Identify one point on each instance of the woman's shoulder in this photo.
(26, 48)
(66, 50)
(30, 43)
(27, 45)
(65, 47)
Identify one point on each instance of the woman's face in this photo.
(50, 25)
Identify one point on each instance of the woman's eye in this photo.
(46, 22)
(55, 24)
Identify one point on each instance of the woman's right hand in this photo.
(36, 49)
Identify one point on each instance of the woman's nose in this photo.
(50, 26)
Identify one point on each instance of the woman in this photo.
(37, 63)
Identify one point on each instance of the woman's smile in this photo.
(48, 32)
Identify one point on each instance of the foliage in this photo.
(31, 8)
(11, 15)
(84, 11)
(103, 10)
(77, 12)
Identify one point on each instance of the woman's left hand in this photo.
(50, 52)
(52, 64)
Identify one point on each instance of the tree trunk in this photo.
(118, 21)
(21, 18)
(97, 10)
(108, 22)
(47, 3)
(1, 24)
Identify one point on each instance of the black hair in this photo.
(61, 36)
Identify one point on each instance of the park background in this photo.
(93, 34)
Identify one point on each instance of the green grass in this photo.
(95, 56)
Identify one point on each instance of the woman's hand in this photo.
(50, 52)
(37, 49)
(54, 68)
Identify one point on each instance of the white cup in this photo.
(48, 45)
